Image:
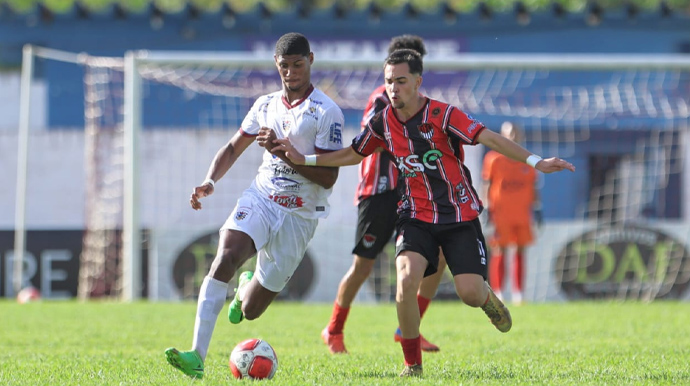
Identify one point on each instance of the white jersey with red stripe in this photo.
(313, 124)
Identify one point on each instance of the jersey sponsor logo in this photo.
(382, 185)
(336, 133)
(288, 201)
(472, 126)
(280, 169)
(311, 112)
(427, 130)
(461, 193)
(368, 240)
(286, 184)
(410, 165)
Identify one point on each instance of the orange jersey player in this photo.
(511, 198)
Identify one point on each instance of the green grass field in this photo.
(70, 343)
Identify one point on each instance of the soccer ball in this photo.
(253, 359)
(28, 295)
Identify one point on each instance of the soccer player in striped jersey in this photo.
(377, 202)
(276, 217)
(439, 206)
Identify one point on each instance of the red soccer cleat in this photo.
(335, 342)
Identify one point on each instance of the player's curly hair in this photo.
(292, 43)
(412, 42)
(409, 56)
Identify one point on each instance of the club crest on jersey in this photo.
(435, 112)
(241, 214)
(286, 125)
(368, 240)
(427, 130)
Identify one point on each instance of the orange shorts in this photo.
(509, 232)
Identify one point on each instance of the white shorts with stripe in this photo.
(280, 238)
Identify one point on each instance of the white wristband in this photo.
(310, 160)
(532, 160)
(209, 181)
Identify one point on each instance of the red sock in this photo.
(338, 318)
(518, 272)
(423, 304)
(412, 350)
(496, 272)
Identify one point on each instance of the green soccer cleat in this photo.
(189, 362)
(235, 314)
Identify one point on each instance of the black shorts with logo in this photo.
(462, 243)
(375, 223)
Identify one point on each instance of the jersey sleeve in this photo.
(377, 102)
(464, 127)
(371, 138)
(329, 136)
(251, 124)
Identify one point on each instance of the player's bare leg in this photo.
(350, 284)
(410, 267)
(427, 290)
(234, 248)
(475, 292)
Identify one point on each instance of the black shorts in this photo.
(375, 223)
(462, 243)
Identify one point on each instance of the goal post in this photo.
(158, 117)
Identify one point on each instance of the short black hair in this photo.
(412, 42)
(292, 43)
(409, 56)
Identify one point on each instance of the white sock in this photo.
(212, 296)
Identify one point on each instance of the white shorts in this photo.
(280, 238)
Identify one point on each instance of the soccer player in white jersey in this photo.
(276, 216)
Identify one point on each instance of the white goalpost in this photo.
(166, 113)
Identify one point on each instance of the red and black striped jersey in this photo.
(428, 151)
(377, 173)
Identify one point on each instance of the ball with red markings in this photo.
(253, 359)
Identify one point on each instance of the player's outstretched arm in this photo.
(224, 159)
(513, 150)
(343, 157)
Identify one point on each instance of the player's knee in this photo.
(472, 295)
(407, 288)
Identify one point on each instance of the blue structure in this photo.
(113, 31)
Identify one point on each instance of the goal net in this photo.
(617, 228)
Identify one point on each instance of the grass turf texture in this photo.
(101, 343)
